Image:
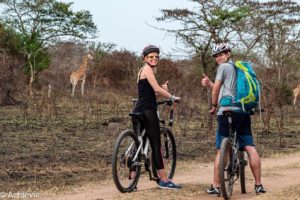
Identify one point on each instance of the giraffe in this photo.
(79, 75)
(296, 94)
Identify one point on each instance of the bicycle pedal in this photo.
(243, 162)
(137, 164)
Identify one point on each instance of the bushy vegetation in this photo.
(49, 138)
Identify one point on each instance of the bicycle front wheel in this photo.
(125, 171)
(225, 169)
(168, 150)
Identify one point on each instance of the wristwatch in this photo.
(172, 97)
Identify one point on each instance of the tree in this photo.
(278, 49)
(40, 22)
(262, 21)
(267, 31)
(100, 50)
(9, 39)
(47, 19)
(210, 22)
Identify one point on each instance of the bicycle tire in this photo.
(121, 161)
(242, 165)
(225, 163)
(168, 149)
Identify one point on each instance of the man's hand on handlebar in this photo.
(213, 110)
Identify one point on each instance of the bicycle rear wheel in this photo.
(123, 167)
(243, 163)
(168, 150)
(225, 169)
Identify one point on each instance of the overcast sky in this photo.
(124, 22)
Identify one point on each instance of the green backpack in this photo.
(247, 89)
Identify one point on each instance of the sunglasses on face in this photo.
(151, 57)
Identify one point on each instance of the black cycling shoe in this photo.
(214, 191)
(259, 189)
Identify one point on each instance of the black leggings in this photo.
(151, 124)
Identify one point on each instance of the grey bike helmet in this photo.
(220, 48)
(150, 49)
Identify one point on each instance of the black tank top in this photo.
(147, 97)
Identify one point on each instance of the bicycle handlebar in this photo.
(168, 102)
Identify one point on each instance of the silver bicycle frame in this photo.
(141, 148)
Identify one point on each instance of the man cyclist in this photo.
(225, 85)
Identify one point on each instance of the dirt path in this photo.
(279, 173)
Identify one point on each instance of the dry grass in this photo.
(291, 193)
(74, 145)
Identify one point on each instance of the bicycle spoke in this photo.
(125, 171)
(168, 150)
(225, 169)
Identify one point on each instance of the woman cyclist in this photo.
(147, 104)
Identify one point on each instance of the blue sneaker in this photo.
(168, 185)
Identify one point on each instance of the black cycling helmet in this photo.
(220, 48)
(150, 49)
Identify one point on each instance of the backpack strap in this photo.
(234, 67)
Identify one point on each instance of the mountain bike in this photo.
(232, 162)
(132, 151)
